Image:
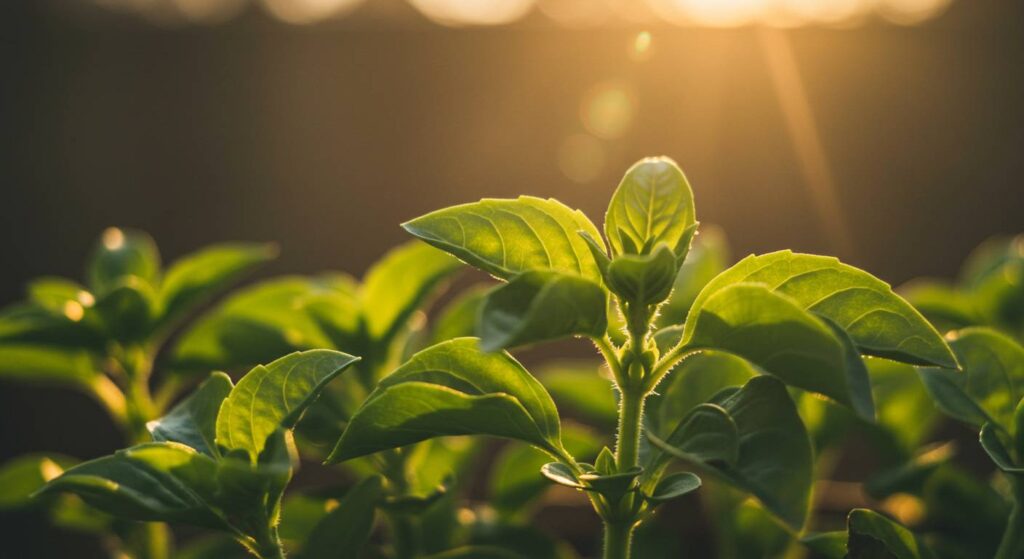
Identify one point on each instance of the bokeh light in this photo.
(581, 158)
(473, 12)
(576, 13)
(608, 109)
(308, 11)
(642, 46)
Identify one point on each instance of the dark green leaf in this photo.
(345, 529)
(674, 486)
(992, 381)
(827, 545)
(561, 474)
(194, 420)
(476, 552)
(452, 388)
(127, 309)
(24, 475)
(541, 305)
(707, 434)
(708, 257)
(872, 536)
(695, 381)
(121, 253)
(506, 237)
(196, 277)
(643, 279)
(653, 204)
(612, 486)
(274, 396)
(996, 450)
(399, 283)
(879, 321)
(779, 336)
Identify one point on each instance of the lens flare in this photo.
(301, 12)
(473, 12)
(607, 110)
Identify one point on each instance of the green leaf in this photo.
(458, 318)
(708, 257)
(399, 283)
(872, 535)
(452, 388)
(127, 309)
(196, 277)
(73, 326)
(991, 384)
(346, 529)
(193, 421)
(996, 450)
(151, 482)
(48, 364)
(561, 474)
(55, 294)
(945, 306)
(542, 305)
(643, 279)
(24, 475)
(776, 334)
(580, 387)
(707, 434)
(878, 320)
(612, 486)
(774, 462)
(674, 486)
(506, 237)
(274, 396)
(694, 381)
(827, 545)
(119, 254)
(653, 204)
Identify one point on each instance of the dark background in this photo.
(324, 137)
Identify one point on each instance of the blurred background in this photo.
(886, 132)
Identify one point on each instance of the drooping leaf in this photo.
(992, 381)
(274, 396)
(346, 529)
(774, 462)
(399, 282)
(878, 320)
(542, 305)
(643, 279)
(119, 254)
(452, 388)
(193, 421)
(674, 486)
(24, 475)
(506, 237)
(653, 204)
(194, 278)
(776, 334)
(872, 536)
(151, 482)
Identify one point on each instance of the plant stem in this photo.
(627, 449)
(1012, 545)
(618, 537)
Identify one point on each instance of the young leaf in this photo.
(26, 474)
(345, 529)
(708, 257)
(674, 486)
(774, 461)
(878, 320)
(991, 383)
(274, 396)
(151, 482)
(872, 535)
(643, 279)
(121, 253)
(453, 388)
(561, 474)
(653, 204)
(196, 277)
(193, 421)
(775, 333)
(506, 237)
(398, 283)
(542, 305)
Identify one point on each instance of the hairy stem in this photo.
(1012, 545)
(618, 537)
(627, 449)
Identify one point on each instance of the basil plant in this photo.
(704, 396)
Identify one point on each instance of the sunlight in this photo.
(473, 12)
(308, 11)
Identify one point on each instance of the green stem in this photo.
(627, 449)
(618, 537)
(1012, 545)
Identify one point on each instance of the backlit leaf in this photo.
(193, 421)
(653, 204)
(119, 254)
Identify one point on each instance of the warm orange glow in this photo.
(576, 13)
(607, 110)
(642, 46)
(581, 157)
(909, 12)
(308, 11)
(473, 12)
(113, 238)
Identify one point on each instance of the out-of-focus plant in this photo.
(104, 338)
(767, 322)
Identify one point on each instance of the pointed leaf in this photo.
(193, 421)
(653, 204)
(612, 486)
(452, 388)
(878, 320)
(274, 396)
(540, 306)
(399, 283)
(560, 474)
(992, 381)
(196, 277)
(121, 253)
(643, 279)
(346, 529)
(506, 237)
(776, 334)
(674, 486)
